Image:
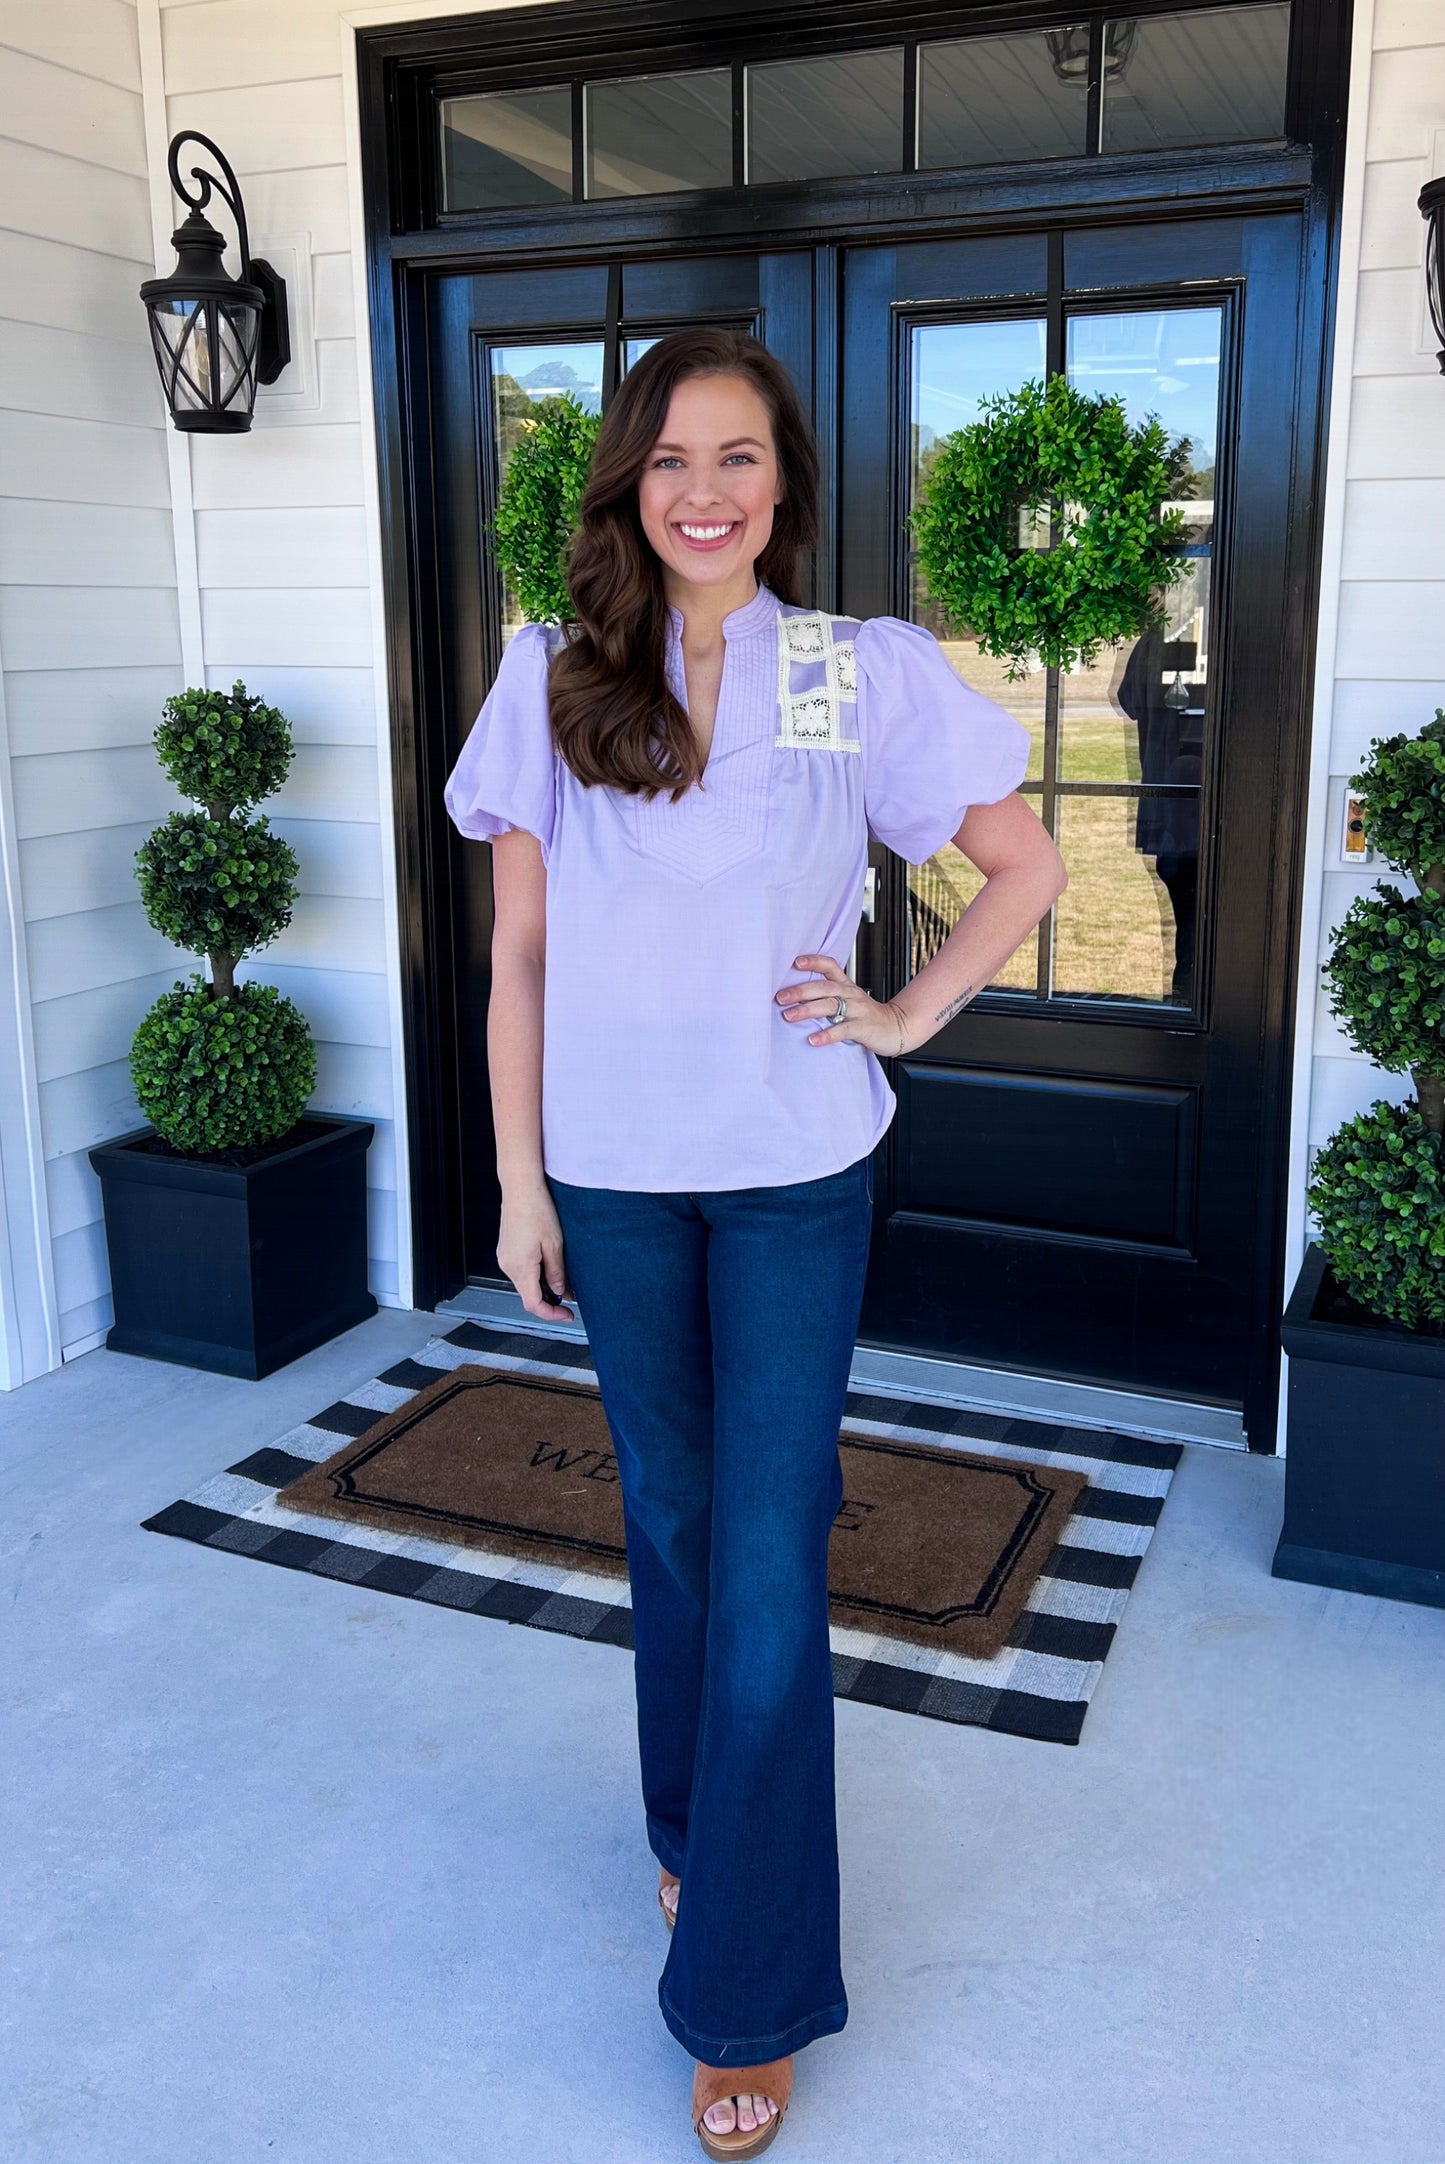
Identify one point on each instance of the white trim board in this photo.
(29, 1309)
(1314, 841)
(165, 217)
(944, 1382)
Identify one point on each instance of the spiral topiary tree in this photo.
(1378, 1187)
(216, 1065)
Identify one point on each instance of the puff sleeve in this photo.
(506, 775)
(931, 744)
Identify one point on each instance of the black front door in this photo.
(490, 343)
(1081, 1179)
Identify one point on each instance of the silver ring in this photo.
(841, 1014)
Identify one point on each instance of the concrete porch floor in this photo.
(299, 1873)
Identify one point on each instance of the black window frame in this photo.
(601, 42)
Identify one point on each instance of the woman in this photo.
(687, 1095)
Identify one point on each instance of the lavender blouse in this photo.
(666, 1061)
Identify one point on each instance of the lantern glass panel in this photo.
(207, 351)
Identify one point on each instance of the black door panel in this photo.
(1099, 1160)
(1072, 1183)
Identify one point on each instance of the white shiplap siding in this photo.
(274, 538)
(283, 557)
(99, 505)
(88, 622)
(1386, 670)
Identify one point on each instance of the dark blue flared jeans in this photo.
(722, 1327)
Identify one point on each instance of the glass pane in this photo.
(521, 377)
(506, 148)
(236, 329)
(1209, 76)
(810, 119)
(1139, 713)
(656, 133)
(1124, 925)
(1024, 699)
(981, 99)
(938, 893)
(953, 367)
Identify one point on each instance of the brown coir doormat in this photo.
(935, 1546)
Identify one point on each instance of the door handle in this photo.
(870, 893)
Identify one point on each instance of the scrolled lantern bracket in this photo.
(215, 337)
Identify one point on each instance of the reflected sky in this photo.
(1163, 361)
(543, 371)
(955, 365)
(1159, 361)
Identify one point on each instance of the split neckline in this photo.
(754, 616)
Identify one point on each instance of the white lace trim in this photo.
(813, 720)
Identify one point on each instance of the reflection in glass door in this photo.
(1119, 749)
(521, 377)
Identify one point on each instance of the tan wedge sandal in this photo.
(714, 2084)
(667, 1880)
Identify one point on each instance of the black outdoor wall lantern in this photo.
(1432, 210)
(215, 337)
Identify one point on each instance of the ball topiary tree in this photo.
(1378, 1187)
(539, 502)
(219, 1066)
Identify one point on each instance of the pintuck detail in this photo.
(713, 828)
(813, 718)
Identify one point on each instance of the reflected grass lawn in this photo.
(1114, 926)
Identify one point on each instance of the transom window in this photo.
(1087, 89)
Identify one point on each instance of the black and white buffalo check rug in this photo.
(1039, 1684)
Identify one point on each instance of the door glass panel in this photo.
(938, 894)
(953, 366)
(521, 377)
(1124, 926)
(1138, 714)
(987, 99)
(1214, 75)
(1138, 717)
(1118, 749)
(506, 149)
(813, 119)
(657, 133)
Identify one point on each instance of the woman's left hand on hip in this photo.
(875, 1024)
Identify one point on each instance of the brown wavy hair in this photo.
(615, 718)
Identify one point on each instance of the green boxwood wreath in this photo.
(539, 502)
(1118, 549)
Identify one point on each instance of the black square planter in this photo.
(1365, 1457)
(237, 1268)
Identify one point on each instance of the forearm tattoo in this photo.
(946, 1014)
